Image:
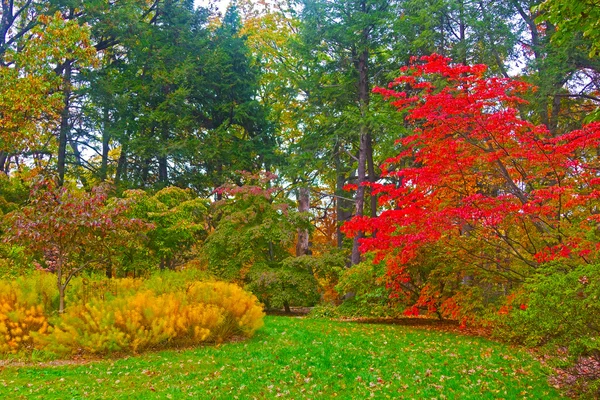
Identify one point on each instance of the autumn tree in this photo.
(69, 231)
(30, 103)
(478, 199)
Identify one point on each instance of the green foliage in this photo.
(13, 193)
(178, 218)
(252, 228)
(293, 283)
(557, 309)
(252, 242)
(364, 286)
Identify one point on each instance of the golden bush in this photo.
(131, 319)
(19, 321)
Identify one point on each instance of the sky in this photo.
(221, 4)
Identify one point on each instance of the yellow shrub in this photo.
(242, 306)
(134, 323)
(135, 316)
(19, 322)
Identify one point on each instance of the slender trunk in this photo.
(372, 176)
(78, 160)
(61, 299)
(286, 307)
(3, 160)
(360, 193)
(146, 171)
(363, 93)
(462, 32)
(64, 121)
(162, 158)
(342, 206)
(121, 165)
(105, 146)
(303, 207)
(553, 120)
(61, 287)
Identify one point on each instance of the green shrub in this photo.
(558, 311)
(291, 284)
(366, 294)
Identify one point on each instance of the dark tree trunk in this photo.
(372, 176)
(303, 207)
(3, 161)
(163, 176)
(360, 193)
(64, 121)
(363, 93)
(343, 207)
(121, 165)
(105, 146)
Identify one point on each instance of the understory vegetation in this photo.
(127, 316)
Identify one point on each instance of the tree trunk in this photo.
(303, 207)
(372, 177)
(61, 288)
(64, 121)
(3, 160)
(342, 206)
(363, 93)
(162, 158)
(61, 299)
(360, 193)
(105, 146)
(121, 165)
(462, 33)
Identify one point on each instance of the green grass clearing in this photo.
(301, 358)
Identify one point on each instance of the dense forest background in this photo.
(144, 135)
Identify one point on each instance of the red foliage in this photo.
(497, 193)
(71, 230)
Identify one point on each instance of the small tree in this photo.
(253, 242)
(68, 230)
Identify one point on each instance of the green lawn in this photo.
(301, 358)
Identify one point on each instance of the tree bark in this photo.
(3, 160)
(342, 207)
(121, 165)
(105, 146)
(163, 176)
(64, 121)
(302, 246)
(360, 193)
(363, 93)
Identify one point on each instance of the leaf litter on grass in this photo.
(302, 359)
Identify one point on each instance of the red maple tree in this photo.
(478, 198)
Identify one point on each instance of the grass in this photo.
(301, 358)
